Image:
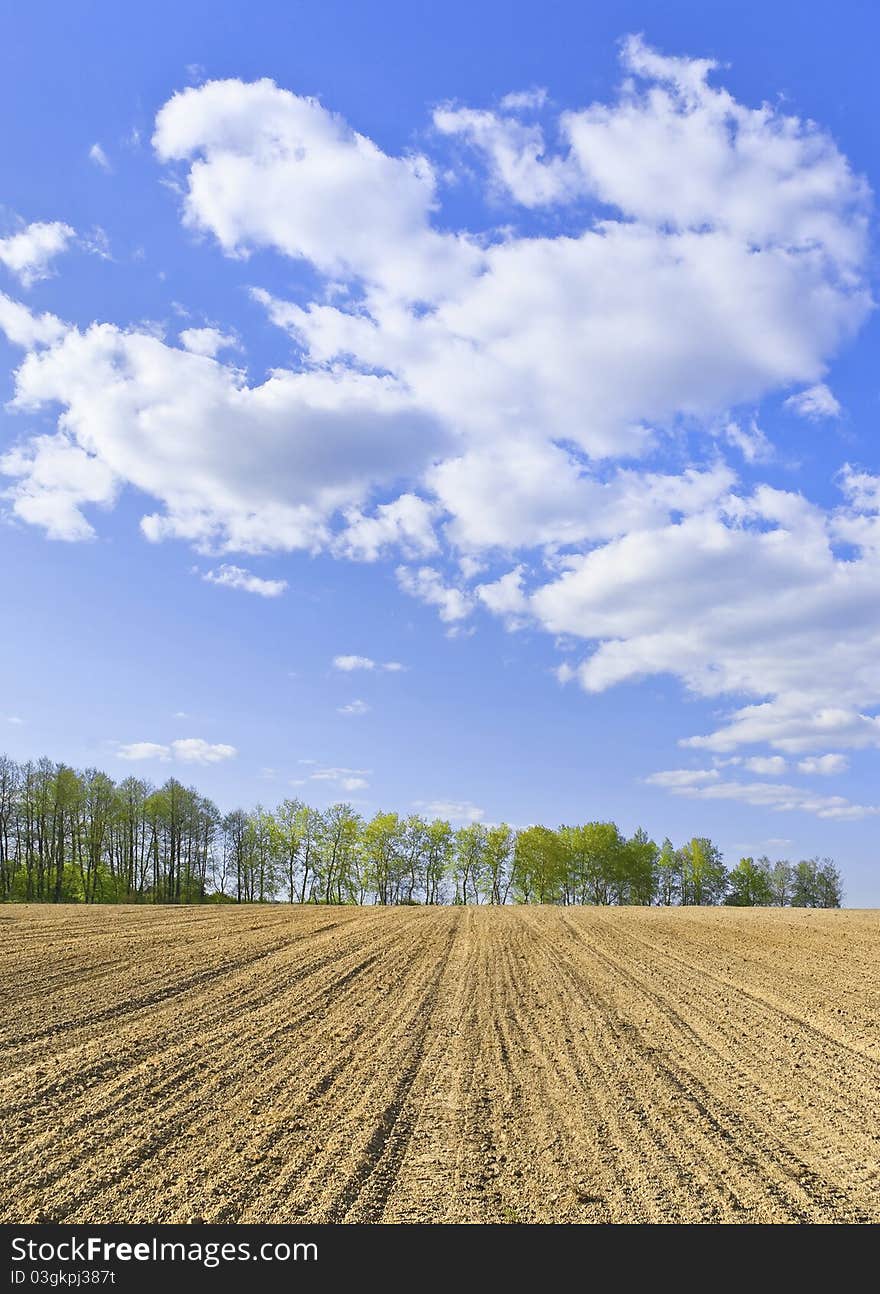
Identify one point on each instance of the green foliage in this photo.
(749, 885)
(77, 837)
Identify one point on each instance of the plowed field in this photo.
(439, 1065)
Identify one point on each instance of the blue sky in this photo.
(524, 350)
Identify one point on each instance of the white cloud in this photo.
(765, 795)
(815, 403)
(236, 577)
(349, 663)
(525, 100)
(207, 341)
(29, 253)
(505, 597)
(354, 708)
(23, 328)
(427, 585)
(14, 719)
(453, 810)
(235, 467)
(766, 765)
(750, 441)
(188, 750)
(459, 391)
(747, 597)
(350, 779)
(681, 779)
(443, 354)
(270, 168)
(406, 525)
(825, 765)
(194, 750)
(516, 152)
(56, 477)
(100, 158)
(138, 750)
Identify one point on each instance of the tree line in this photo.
(77, 836)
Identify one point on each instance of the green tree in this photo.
(539, 861)
(749, 885)
(703, 874)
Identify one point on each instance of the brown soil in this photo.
(439, 1065)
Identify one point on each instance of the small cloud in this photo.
(354, 707)
(180, 714)
(815, 403)
(207, 341)
(188, 750)
(677, 778)
(349, 663)
(470, 566)
(772, 764)
(525, 100)
(454, 810)
(426, 584)
(750, 441)
(236, 577)
(824, 765)
(196, 73)
(194, 750)
(29, 253)
(350, 779)
(307, 761)
(98, 243)
(100, 158)
(138, 750)
(14, 719)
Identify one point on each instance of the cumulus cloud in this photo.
(505, 597)
(442, 354)
(236, 577)
(188, 750)
(826, 765)
(457, 400)
(29, 253)
(766, 765)
(745, 597)
(235, 467)
(765, 795)
(427, 585)
(815, 403)
(405, 525)
(207, 341)
(24, 328)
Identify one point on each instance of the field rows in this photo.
(439, 1065)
